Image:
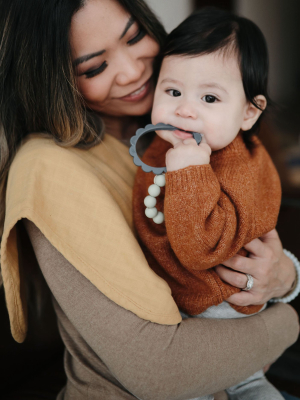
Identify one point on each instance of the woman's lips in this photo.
(139, 94)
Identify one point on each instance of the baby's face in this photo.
(202, 94)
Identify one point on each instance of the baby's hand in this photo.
(187, 153)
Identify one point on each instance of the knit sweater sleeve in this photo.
(212, 213)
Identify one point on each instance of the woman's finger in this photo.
(241, 264)
(234, 278)
(269, 236)
(256, 248)
(266, 246)
(244, 299)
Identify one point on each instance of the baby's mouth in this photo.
(183, 134)
(182, 130)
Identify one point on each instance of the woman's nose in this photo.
(131, 69)
(186, 110)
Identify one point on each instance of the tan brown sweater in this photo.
(211, 212)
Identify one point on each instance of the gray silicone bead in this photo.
(151, 212)
(154, 190)
(159, 219)
(150, 201)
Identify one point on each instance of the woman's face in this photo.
(113, 59)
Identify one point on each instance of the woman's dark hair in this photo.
(38, 90)
(211, 30)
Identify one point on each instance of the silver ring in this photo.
(250, 283)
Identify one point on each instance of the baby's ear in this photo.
(252, 113)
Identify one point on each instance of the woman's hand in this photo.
(273, 272)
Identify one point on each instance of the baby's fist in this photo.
(187, 153)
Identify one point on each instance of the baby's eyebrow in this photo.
(213, 85)
(169, 80)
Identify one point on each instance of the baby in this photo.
(223, 193)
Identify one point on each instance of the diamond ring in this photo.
(250, 283)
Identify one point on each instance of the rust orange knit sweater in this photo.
(211, 212)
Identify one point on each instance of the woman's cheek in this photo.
(92, 91)
(152, 47)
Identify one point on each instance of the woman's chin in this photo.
(142, 108)
(126, 109)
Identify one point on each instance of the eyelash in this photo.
(94, 72)
(169, 91)
(210, 95)
(139, 36)
(173, 90)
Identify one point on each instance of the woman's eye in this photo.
(93, 72)
(209, 98)
(139, 36)
(173, 92)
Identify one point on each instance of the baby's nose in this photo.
(186, 110)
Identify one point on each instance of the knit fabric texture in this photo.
(211, 212)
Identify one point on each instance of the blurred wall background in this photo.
(279, 21)
(171, 12)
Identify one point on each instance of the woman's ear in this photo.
(252, 113)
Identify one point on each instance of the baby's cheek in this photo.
(158, 114)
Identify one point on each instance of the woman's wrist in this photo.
(295, 288)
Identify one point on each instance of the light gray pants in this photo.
(256, 387)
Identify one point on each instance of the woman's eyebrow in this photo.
(87, 57)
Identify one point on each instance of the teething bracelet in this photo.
(159, 180)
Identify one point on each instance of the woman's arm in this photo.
(273, 272)
(194, 358)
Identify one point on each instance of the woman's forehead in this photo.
(100, 23)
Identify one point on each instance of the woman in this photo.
(65, 64)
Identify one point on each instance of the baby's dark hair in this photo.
(211, 30)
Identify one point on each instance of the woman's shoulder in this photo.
(41, 149)
(107, 164)
(48, 177)
(40, 157)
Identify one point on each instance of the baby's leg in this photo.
(256, 387)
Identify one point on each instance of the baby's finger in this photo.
(203, 140)
(191, 141)
(206, 147)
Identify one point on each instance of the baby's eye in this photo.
(209, 98)
(174, 92)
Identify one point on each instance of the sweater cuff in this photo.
(192, 178)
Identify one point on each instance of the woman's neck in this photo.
(122, 128)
